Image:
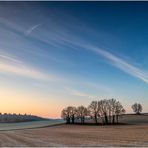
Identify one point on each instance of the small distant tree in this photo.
(82, 112)
(137, 108)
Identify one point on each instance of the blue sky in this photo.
(54, 54)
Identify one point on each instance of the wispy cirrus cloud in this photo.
(116, 61)
(78, 93)
(8, 58)
(31, 29)
(122, 64)
(11, 66)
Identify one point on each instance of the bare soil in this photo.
(77, 135)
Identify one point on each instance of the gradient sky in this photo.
(54, 54)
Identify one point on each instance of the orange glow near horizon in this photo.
(14, 100)
(17, 102)
(16, 106)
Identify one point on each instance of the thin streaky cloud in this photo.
(31, 29)
(122, 64)
(78, 93)
(8, 58)
(99, 87)
(119, 63)
(24, 70)
(113, 59)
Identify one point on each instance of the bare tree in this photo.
(69, 114)
(109, 109)
(103, 111)
(137, 108)
(72, 111)
(81, 113)
(65, 114)
(94, 110)
(119, 110)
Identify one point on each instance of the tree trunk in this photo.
(117, 118)
(96, 119)
(81, 120)
(106, 119)
(73, 119)
(102, 120)
(109, 116)
(67, 120)
(113, 119)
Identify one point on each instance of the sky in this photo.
(55, 54)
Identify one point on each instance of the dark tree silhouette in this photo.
(72, 111)
(66, 115)
(69, 114)
(94, 110)
(104, 106)
(82, 112)
(112, 105)
(137, 108)
(118, 110)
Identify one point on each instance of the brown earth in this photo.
(77, 135)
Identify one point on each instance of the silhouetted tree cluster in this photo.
(137, 108)
(102, 111)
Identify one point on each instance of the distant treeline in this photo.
(7, 117)
(104, 112)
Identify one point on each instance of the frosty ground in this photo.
(133, 134)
